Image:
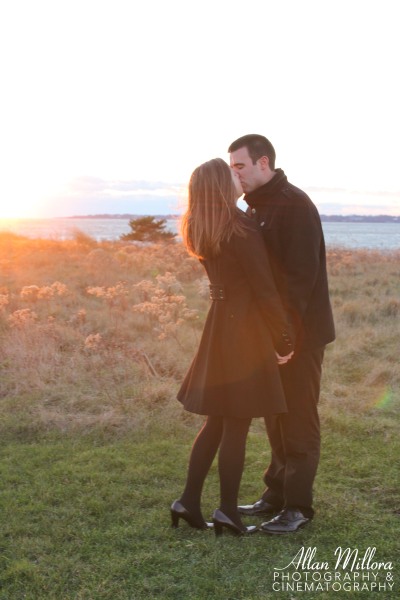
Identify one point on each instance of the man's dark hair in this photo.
(257, 146)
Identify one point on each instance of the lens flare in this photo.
(385, 399)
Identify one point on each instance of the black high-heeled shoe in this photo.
(220, 521)
(178, 511)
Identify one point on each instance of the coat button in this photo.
(262, 224)
(253, 211)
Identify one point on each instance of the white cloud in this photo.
(92, 195)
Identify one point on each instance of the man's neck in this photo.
(271, 175)
(267, 178)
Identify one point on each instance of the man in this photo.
(292, 231)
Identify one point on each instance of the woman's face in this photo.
(237, 184)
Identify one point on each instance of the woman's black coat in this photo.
(235, 370)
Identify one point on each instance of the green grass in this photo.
(94, 446)
(87, 517)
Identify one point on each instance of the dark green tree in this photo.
(148, 229)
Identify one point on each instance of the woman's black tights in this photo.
(229, 434)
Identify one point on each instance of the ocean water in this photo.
(378, 236)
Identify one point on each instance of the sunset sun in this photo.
(20, 201)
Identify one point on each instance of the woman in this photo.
(234, 375)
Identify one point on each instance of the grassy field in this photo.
(95, 339)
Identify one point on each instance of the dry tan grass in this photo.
(101, 334)
(362, 367)
(93, 334)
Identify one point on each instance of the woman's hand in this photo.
(282, 360)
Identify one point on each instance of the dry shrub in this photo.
(101, 334)
(141, 260)
(165, 308)
(362, 365)
(391, 308)
(83, 239)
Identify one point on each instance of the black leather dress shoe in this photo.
(289, 520)
(261, 507)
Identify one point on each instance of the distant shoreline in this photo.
(360, 233)
(325, 218)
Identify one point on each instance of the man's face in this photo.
(250, 176)
(237, 184)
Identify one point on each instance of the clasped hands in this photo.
(282, 360)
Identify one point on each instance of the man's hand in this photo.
(282, 360)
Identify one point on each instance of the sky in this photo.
(107, 106)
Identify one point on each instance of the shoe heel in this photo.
(174, 519)
(220, 521)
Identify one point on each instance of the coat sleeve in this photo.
(253, 257)
(302, 239)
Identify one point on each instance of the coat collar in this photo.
(262, 194)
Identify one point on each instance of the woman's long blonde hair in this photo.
(212, 214)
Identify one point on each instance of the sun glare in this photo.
(28, 197)
(17, 209)
(18, 203)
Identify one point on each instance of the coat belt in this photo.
(217, 292)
